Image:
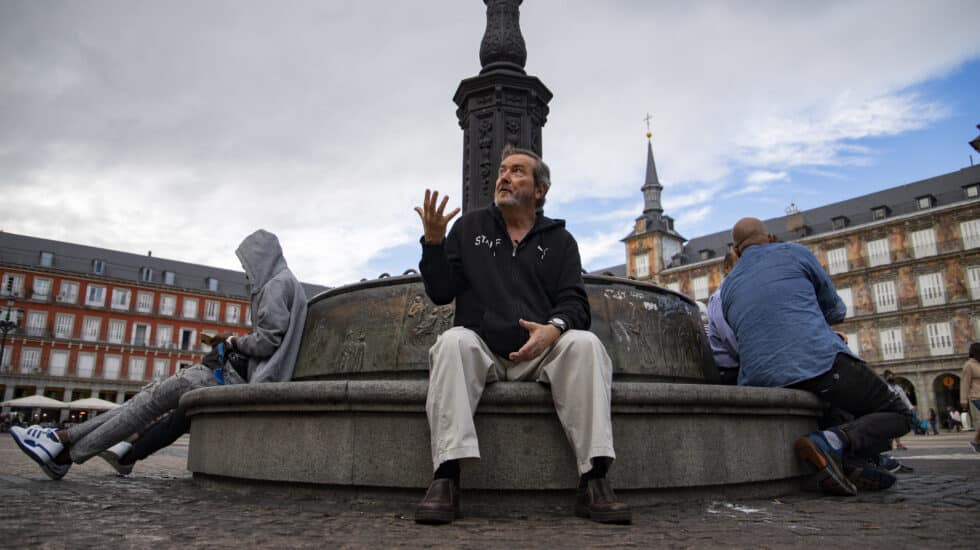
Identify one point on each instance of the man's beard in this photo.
(512, 200)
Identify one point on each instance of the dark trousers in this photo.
(863, 408)
(728, 377)
(161, 434)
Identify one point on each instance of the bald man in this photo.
(780, 303)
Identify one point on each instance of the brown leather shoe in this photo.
(598, 502)
(441, 503)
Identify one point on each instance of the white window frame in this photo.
(932, 289)
(146, 274)
(146, 335)
(879, 252)
(121, 297)
(923, 243)
(892, 344)
(168, 304)
(248, 314)
(188, 309)
(165, 336)
(111, 367)
(161, 368)
(46, 259)
(837, 260)
(54, 368)
(237, 317)
(30, 360)
(675, 286)
(212, 284)
(169, 278)
(940, 338)
(192, 340)
(88, 334)
(973, 280)
(98, 267)
(85, 365)
(41, 294)
(641, 265)
(64, 325)
(886, 299)
(36, 323)
(137, 368)
(144, 302)
(970, 234)
(847, 296)
(212, 310)
(117, 331)
(68, 292)
(700, 287)
(8, 352)
(16, 288)
(95, 301)
(854, 343)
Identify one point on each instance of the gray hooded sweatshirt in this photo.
(278, 310)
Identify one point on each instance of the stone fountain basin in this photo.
(374, 433)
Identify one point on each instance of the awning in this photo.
(35, 402)
(91, 404)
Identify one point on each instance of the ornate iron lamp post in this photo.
(6, 325)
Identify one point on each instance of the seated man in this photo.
(780, 303)
(724, 348)
(521, 314)
(278, 312)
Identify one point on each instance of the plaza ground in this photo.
(163, 506)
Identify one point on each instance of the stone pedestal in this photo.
(364, 433)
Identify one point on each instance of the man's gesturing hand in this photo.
(433, 220)
(542, 337)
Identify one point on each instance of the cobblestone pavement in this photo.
(161, 505)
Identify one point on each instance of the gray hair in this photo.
(541, 172)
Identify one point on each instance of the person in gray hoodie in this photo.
(278, 310)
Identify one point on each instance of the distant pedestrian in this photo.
(970, 389)
(900, 392)
(953, 419)
(932, 421)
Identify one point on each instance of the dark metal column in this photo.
(503, 105)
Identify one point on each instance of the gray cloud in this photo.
(174, 126)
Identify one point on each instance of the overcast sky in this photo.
(180, 127)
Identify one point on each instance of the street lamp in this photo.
(976, 142)
(6, 325)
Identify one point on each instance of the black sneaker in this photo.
(868, 476)
(814, 451)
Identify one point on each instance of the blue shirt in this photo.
(721, 338)
(779, 301)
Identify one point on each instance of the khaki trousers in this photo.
(577, 368)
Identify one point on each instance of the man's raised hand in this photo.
(434, 220)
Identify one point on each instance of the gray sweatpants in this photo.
(577, 368)
(91, 437)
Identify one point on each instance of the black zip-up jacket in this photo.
(495, 283)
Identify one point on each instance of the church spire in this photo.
(651, 187)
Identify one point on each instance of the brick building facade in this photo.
(905, 260)
(92, 322)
